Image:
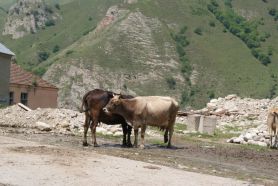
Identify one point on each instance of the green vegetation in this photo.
(50, 22)
(171, 83)
(198, 31)
(55, 49)
(42, 56)
(246, 30)
(274, 13)
(181, 43)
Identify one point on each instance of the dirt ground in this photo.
(249, 163)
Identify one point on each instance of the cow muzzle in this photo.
(105, 110)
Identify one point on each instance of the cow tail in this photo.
(84, 103)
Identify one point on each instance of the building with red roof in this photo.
(30, 89)
(20, 86)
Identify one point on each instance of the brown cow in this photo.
(142, 111)
(94, 101)
(272, 123)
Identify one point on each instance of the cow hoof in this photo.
(96, 145)
(129, 145)
(142, 146)
(85, 144)
(169, 146)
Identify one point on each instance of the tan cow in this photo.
(142, 111)
(272, 123)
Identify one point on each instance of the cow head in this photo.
(113, 104)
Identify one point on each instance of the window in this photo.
(24, 98)
(11, 98)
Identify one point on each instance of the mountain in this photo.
(193, 50)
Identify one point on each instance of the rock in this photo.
(213, 101)
(251, 142)
(211, 106)
(262, 143)
(256, 138)
(231, 96)
(65, 124)
(238, 140)
(231, 107)
(248, 136)
(43, 126)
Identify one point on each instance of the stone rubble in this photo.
(63, 121)
(243, 116)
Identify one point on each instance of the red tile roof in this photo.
(22, 77)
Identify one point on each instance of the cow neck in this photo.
(128, 108)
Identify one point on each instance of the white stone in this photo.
(262, 143)
(231, 96)
(238, 140)
(43, 126)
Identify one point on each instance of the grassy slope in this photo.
(224, 63)
(75, 21)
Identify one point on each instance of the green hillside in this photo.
(142, 47)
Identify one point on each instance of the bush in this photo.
(272, 12)
(171, 82)
(184, 98)
(50, 22)
(55, 49)
(198, 31)
(212, 23)
(40, 71)
(57, 6)
(69, 52)
(42, 56)
(48, 9)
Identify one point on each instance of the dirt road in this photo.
(30, 163)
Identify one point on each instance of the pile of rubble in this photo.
(243, 116)
(236, 113)
(253, 136)
(62, 121)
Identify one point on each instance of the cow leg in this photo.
(124, 127)
(135, 138)
(143, 130)
(129, 130)
(275, 139)
(171, 130)
(270, 134)
(86, 127)
(93, 128)
(166, 136)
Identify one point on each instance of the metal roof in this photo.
(5, 50)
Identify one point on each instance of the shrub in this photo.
(42, 56)
(212, 23)
(184, 98)
(50, 22)
(55, 49)
(198, 31)
(171, 82)
(48, 9)
(57, 6)
(40, 71)
(272, 12)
